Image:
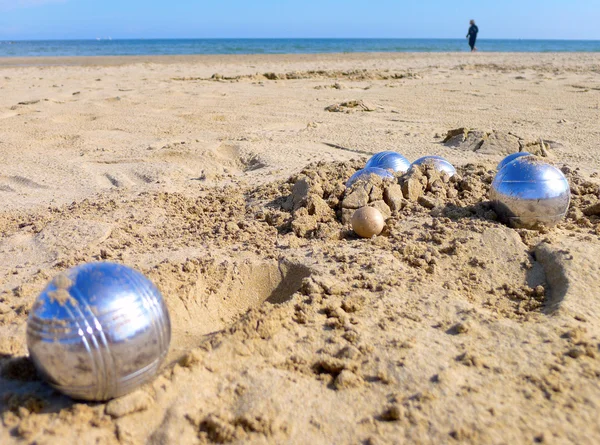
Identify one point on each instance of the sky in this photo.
(497, 19)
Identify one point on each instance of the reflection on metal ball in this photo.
(511, 157)
(389, 160)
(441, 164)
(98, 331)
(366, 172)
(528, 192)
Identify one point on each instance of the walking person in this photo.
(472, 35)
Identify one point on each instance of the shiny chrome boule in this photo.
(528, 192)
(511, 157)
(440, 164)
(389, 160)
(366, 172)
(98, 331)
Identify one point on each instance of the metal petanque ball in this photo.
(511, 157)
(528, 192)
(98, 331)
(389, 160)
(441, 164)
(366, 172)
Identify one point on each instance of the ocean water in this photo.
(155, 47)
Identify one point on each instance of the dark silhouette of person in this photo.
(472, 35)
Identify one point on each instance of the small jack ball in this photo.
(367, 221)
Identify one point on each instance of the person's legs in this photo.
(472, 44)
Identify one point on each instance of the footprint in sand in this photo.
(210, 160)
(26, 182)
(124, 175)
(231, 155)
(18, 183)
(118, 180)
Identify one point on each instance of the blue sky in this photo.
(88, 19)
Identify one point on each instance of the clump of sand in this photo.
(320, 205)
(497, 142)
(350, 106)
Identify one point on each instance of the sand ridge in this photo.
(228, 193)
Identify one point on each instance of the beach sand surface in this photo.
(222, 179)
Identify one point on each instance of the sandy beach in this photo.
(222, 179)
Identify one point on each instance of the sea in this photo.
(157, 47)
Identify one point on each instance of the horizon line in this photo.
(110, 38)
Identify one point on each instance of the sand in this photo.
(222, 179)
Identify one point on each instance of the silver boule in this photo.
(366, 172)
(389, 160)
(528, 192)
(441, 164)
(98, 331)
(511, 157)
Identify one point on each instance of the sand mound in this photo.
(320, 206)
(353, 75)
(351, 106)
(496, 142)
